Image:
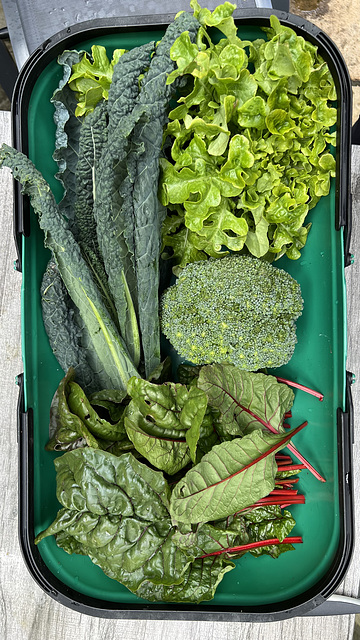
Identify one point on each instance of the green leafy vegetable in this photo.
(249, 142)
(164, 422)
(74, 421)
(67, 134)
(67, 430)
(112, 203)
(91, 78)
(123, 524)
(244, 398)
(116, 511)
(116, 365)
(232, 476)
(65, 329)
(236, 309)
(244, 157)
(200, 582)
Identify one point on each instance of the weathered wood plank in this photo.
(26, 613)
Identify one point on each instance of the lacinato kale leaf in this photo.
(116, 366)
(65, 329)
(113, 209)
(67, 133)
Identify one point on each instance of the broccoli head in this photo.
(236, 309)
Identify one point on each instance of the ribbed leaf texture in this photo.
(232, 476)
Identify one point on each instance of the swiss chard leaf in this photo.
(245, 400)
(164, 422)
(116, 511)
(232, 476)
(99, 427)
(74, 422)
(67, 430)
(199, 583)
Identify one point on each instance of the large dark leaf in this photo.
(116, 512)
(74, 422)
(67, 430)
(200, 582)
(116, 366)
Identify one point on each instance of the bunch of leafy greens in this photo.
(163, 483)
(100, 290)
(247, 150)
(156, 537)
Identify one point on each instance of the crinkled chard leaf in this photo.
(268, 522)
(75, 423)
(112, 400)
(168, 454)
(96, 481)
(200, 582)
(99, 427)
(116, 511)
(164, 422)
(67, 430)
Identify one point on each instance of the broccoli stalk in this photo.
(236, 309)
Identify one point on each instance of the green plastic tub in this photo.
(261, 588)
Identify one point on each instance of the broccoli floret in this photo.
(236, 309)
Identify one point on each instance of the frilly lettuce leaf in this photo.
(250, 142)
(91, 78)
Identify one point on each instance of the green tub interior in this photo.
(318, 362)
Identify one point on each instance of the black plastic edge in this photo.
(307, 603)
(355, 132)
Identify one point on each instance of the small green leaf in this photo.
(257, 240)
(279, 122)
(253, 113)
(91, 78)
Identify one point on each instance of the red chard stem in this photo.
(255, 545)
(296, 385)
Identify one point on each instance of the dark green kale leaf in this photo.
(116, 367)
